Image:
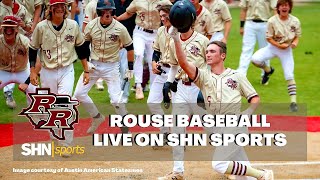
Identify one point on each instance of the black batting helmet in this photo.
(182, 15)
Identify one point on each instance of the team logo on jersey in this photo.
(202, 23)
(232, 83)
(69, 38)
(114, 37)
(55, 113)
(217, 11)
(22, 52)
(194, 50)
(293, 29)
(142, 16)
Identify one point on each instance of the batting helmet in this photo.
(182, 15)
(105, 4)
(53, 2)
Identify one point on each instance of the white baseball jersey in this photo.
(195, 50)
(283, 31)
(258, 9)
(57, 48)
(162, 44)
(14, 58)
(90, 11)
(220, 13)
(106, 42)
(4, 11)
(222, 93)
(204, 23)
(147, 12)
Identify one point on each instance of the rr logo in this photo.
(52, 112)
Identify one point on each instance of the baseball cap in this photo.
(10, 21)
(53, 2)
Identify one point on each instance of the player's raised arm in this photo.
(189, 68)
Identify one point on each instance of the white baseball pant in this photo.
(108, 71)
(252, 32)
(184, 102)
(142, 44)
(16, 77)
(60, 81)
(155, 97)
(285, 56)
(9, 87)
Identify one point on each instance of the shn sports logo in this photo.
(50, 149)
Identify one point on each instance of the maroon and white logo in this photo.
(55, 113)
(194, 50)
(114, 37)
(231, 83)
(69, 38)
(293, 29)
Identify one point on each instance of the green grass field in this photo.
(306, 68)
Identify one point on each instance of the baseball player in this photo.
(60, 43)
(283, 32)
(221, 19)
(90, 14)
(204, 23)
(222, 88)
(183, 16)
(160, 64)
(106, 36)
(254, 15)
(10, 7)
(14, 67)
(34, 9)
(147, 23)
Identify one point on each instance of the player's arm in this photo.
(124, 16)
(33, 70)
(227, 28)
(243, 14)
(189, 68)
(36, 16)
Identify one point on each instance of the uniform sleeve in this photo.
(37, 3)
(79, 37)
(270, 30)
(226, 16)
(87, 31)
(125, 37)
(298, 31)
(27, 18)
(156, 46)
(200, 78)
(243, 4)
(36, 38)
(246, 89)
(132, 8)
(273, 4)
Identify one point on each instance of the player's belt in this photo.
(258, 20)
(166, 65)
(187, 83)
(146, 30)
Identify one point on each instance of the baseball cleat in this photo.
(268, 175)
(139, 93)
(172, 176)
(95, 124)
(293, 107)
(265, 77)
(99, 86)
(11, 103)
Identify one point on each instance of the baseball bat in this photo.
(122, 89)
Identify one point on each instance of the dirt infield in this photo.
(150, 169)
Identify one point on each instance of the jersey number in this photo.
(47, 52)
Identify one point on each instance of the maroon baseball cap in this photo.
(10, 21)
